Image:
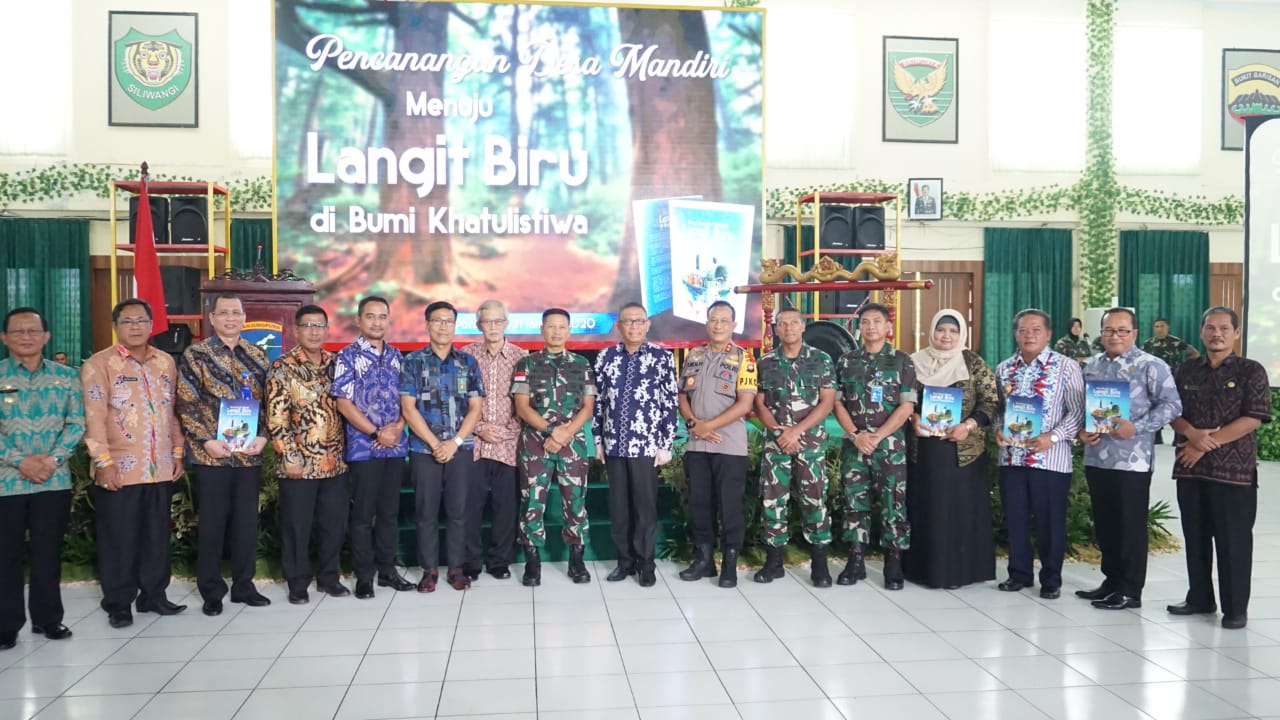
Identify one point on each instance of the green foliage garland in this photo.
(64, 180)
(1098, 187)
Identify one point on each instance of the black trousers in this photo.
(134, 555)
(492, 479)
(44, 515)
(1216, 516)
(717, 483)
(226, 498)
(375, 510)
(1035, 499)
(302, 501)
(1119, 500)
(633, 508)
(433, 480)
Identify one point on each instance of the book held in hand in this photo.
(1023, 420)
(1106, 404)
(238, 423)
(940, 410)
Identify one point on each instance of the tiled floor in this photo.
(677, 650)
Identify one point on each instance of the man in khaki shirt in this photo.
(135, 448)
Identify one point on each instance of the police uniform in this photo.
(791, 388)
(717, 472)
(872, 386)
(557, 384)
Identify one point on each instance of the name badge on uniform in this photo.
(877, 394)
(462, 384)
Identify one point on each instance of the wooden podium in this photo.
(270, 302)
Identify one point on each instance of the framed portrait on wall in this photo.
(924, 199)
(152, 68)
(921, 78)
(1250, 86)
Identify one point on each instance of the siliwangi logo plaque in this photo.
(152, 69)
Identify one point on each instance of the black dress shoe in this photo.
(1235, 622)
(212, 607)
(395, 582)
(1012, 585)
(164, 607)
(336, 589)
(1117, 601)
(648, 577)
(472, 574)
(1098, 593)
(56, 631)
(1189, 609)
(256, 599)
(119, 618)
(620, 573)
(1050, 593)
(8, 640)
(299, 597)
(364, 589)
(501, 572)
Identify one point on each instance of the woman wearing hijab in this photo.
(948, 491)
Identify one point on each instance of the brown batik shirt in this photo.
(1213, 397)
(302, 415)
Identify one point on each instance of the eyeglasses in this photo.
(228, 313)
(1116, 332)
(313, 326)
(492, 323)
(442, 322)
(136, 322)
(633, 322)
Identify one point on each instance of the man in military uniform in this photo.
(1171, 349)
(554, 394)
(797, 392)
(877, 386)
(1075, 344)
(717, 387)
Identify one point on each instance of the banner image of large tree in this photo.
(467, 151)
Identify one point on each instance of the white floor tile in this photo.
(671, 658)
(103, 707)
(233, 647)
(768, 685)
(1080, 703)
(690, 712)
(1118, 668)
(591, 660)
(308, 672)
(22, 708)
(213, 675)
(954, 620)
(407, 640)
(475, 697)
(194, 706)
(126, 679)
(990, 643)
(990, 705)
(1202, 664)
(816, 653)
(915, 707)
(596, 714)
(1256, 696)
(862, 680)
(490, 665)
(493, 637)
(39, 682)
(808, 709)
(913, 646)
(1265, 659)
(947, 676)
(275, 703)
(553, 635)
(718, 630)
(651, 632)
(88, 651)
(158, 649)
(582, 693)
(402, 668)
(1041, 671)
(740, 654)
(1177, 701)
(370, 702)
(677, 689)
(1068, 641)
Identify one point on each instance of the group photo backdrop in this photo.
(529, 153)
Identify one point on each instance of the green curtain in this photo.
(246, 236)
(46, 266)
(1165, 273)
(1023, 268)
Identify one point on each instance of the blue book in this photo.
(238, 423)
(710, 254)
(940, 410)
(1023, 419)
(1106, 402)
(652, 220)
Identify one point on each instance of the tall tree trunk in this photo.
(673, 128)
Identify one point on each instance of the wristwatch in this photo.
(1054, 437)
(58, 460)
(458, 439)
(373, 435)
(777, 432)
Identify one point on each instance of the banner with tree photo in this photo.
(528, 153)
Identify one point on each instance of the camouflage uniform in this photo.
(871, 388)
(791, 389)
(1076, 348)
(1172, 350)
(556, 385)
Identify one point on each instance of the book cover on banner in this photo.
(710, 254)
(1106, 402)
(238, 423)
(940, 410)
(653, 251)
(1023, 419)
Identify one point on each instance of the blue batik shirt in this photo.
(41, 413)
(442, 389)
(371, 381)
(635, 411)
(1153, 403)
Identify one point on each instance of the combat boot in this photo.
(892, 569)
(532, 567)
(577, 568)
(856, 569)
(729, 568)
(818, 572)
(704, 564)
(772, 569)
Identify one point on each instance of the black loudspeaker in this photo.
(190, 224)
(159, 219)
(837, 226)
(868, 225)
(175, 341)
(830, 338)
(840, 302)
(181, 289)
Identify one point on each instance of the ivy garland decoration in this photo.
(1097, 190)
(64, 180)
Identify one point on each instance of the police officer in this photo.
(797, 392)
(554, 394)
(717, 387)
(877, 384)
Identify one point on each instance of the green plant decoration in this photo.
(1097, 190)
(64, 180)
